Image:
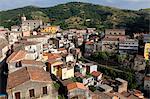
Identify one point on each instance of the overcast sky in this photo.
(125, 4)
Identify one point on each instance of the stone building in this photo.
(89, 48)
(139, 63)
(30, 82)
(111, 40)
(77, 90)
(110, 44)
(30, 24)
(122, 85)
(3, 48)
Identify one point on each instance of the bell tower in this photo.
(23, 18)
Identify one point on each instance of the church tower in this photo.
(23, 18)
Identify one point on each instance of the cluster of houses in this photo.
(114, 40)
(39, 55)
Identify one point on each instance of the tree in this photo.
(104, 57)
(92, 88)
(61, 97)
(56, 85)
(121, 58)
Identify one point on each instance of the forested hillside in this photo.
(81, 15)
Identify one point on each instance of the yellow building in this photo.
(50, 29)
(58, 67)
(61, 70)
(67, 72)
(147, 51)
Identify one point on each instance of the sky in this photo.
(123, 4)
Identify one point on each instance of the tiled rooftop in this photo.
(26, 74)
(15, 56)
(76, 85)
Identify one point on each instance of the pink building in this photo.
(26, 33)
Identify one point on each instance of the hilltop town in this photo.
(44, 61)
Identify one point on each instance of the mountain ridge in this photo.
(75, 14)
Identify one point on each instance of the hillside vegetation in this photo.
(81, 15)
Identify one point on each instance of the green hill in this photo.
(81, 15)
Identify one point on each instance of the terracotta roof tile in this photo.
(61, 49)
(56, 62)
(52, 55)
(96, 73)
(32, 62)
(15, 56)
(26, 74)
(89, 43)
(76, 85)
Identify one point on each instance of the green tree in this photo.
(92, 88)
(121, 58)
(56, 85)
(61, 97)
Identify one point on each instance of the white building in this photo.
(129, 46)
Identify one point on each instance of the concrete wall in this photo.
(67, 73)
(88, 81)
(69, 58)
(123, 87)
(93, 68)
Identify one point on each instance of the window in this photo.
(31, 92)
(18, 64)
(17, 95)
(44, 90)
